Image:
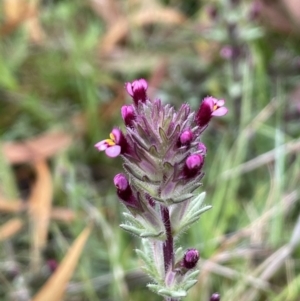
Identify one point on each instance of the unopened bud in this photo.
(215, 297)
(202, 148)
(190, 258)
(127, 113)
(193, 165)
(186, 137)
(121, 182)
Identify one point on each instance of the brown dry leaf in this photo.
(55, 287)
(40, 205)
(40, 147)
(157, 14)
(35, 31)
(275, 17)
(114, 35)
(108, 10)
(10, 228)
(15, 12)
(61, 214)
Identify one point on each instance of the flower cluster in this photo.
(163, 159)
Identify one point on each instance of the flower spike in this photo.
(163, 158)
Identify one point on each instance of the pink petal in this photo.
(101, 146)
(220, 103)
(208, 101)
(143, 83)
(117, 134)
(128, 87)
(220, 112)
(124, 110)
(113, 151)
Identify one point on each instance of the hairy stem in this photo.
(168, 244)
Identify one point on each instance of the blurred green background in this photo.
(63, 65)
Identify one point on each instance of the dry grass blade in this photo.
(116, 33)
(55, 287)
(11, 206)
(233, 274)
(35, 31)
(40, 205)
(61, 214)
(268, 157)
(10, 228)
(43, 146)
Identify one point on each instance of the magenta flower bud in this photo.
(202, 148)
(215, 297)
(194, 162)
(186, 137)
(193, 165)
(127, 113)
(124, 191)
(209, 107)
(121, 182)
(137, 90)
(190, 258)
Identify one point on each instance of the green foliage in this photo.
(247, 241)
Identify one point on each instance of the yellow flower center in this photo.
(112, 140)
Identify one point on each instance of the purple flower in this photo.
(113, 146)
(190, 259)
(215, 297)
(137, 90)
(186, 137)
(209, 107)
(226, 52)
(127, 113)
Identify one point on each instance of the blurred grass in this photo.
(67, 80)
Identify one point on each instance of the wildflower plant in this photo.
(163, 160)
